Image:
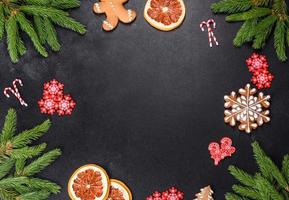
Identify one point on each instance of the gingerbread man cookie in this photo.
(114, 11)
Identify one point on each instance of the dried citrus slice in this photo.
(89, 182)
(165, 15)
(119, 191)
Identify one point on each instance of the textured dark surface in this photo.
(148, 102)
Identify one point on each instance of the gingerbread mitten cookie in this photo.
(114, 11)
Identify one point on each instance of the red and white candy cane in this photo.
(210, 30)
(15, 92)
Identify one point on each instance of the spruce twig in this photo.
(268, 184)
(37, 19)
(268, 16)
(19, 163)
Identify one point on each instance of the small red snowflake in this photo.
(262, 79)
(47, 105)
(54, 101)
(171, 194)
(257, 62)
(66, 105)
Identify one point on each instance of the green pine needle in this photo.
(40, 29)
(9, 127)
(231, 196)
(6, 167)
(231, 6)
(246, 33)
(11, 30)
(285, 167)
(40, 163)
(41, 184)
(65, 4)
(28, 152)
(246, 191)
(69, 23)
(51, 35)
(251, 14)
(242, 176)
(20, 46)
(39, 195)
(27, 27)
(2, 21)
(280, 40)
(28, 136)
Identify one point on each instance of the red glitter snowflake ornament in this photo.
(171, 194)
(262, 79)
(54, 101)
(257, 63)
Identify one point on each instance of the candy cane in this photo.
(210, 30)
(15, 92)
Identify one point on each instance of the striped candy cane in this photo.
(210, 30)
(15, 92)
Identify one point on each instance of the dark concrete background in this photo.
(148, 102)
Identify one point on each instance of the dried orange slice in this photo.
(89, 182)
(165, 15)
(119, 191)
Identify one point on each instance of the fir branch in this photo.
(246, 192)
(27, 27)
(251, 14)
(40, 29)
(9, 127)
(6, 166)
(41, 184)
(26, 137)
(51, 35)
(285, 167)
(231, 6)
(11, 31)
(246, 33)
(279, 40)
(242, 176)
(28, 152)
(39, 195)
(40, 163)
(37, 2)
(2, 21)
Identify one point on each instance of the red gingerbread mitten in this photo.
(114, 11)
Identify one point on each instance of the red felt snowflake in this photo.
(257, 62)
(54, 101)
(262, 79)
(171, 194)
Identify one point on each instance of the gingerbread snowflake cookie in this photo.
(115, 12)
(246, 108)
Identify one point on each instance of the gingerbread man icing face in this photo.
(114, 11)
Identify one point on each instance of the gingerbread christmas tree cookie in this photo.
(115, 12)
(246, 108)
(205, 194)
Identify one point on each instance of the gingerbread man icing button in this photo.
(115, 12)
